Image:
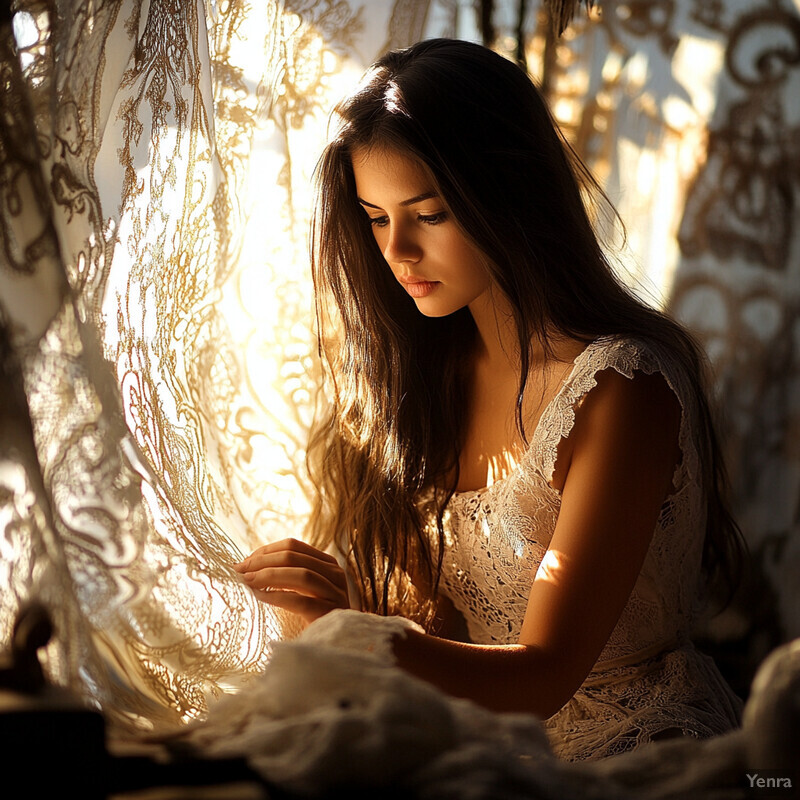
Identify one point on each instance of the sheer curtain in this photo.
(157, 310)
(158, 352)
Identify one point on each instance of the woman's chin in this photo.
(430, 308)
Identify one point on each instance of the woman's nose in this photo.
(401, 245)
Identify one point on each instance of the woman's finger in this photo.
(308, 608)
(331, 571)
(288, 546)
(296, 579)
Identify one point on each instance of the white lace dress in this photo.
(649, 679)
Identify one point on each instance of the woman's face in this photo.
(423, 246)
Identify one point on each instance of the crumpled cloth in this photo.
(331, 710)
(333, 713)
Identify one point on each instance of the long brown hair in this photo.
(385, 453)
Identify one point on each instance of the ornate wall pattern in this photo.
(157, 310)
(738, 283)
(688, 111)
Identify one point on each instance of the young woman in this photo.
(519, 454)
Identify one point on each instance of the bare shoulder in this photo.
(643, 394)
(637, 417)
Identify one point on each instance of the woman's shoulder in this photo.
(624, 373)
(618, 383)
(630, 356)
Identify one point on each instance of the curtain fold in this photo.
(153, 622)
(157, 312)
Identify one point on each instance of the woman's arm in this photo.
(616, 467)
(616, 470)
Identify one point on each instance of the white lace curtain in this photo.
(158, 355)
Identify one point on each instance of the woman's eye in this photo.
(378, 222)
(433, 219)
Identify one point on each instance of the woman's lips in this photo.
(417, 287)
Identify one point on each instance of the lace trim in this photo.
(625, 356)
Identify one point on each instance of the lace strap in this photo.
(626, 356)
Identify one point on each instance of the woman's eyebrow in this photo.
(410, 202)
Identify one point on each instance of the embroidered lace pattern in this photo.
(648, 679)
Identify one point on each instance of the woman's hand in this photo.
(295, 576)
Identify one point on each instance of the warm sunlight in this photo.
(181, 480)
(500, 466)
(550, 567)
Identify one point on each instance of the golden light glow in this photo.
(500, 466)
(549, 568)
